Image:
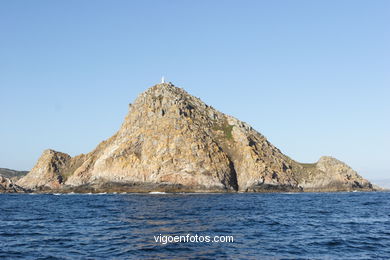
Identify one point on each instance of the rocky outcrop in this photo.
(171, 140)
(48, 171)
(330, 174)
(7, 185)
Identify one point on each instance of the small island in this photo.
(171, 141)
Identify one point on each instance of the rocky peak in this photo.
(333, 166)
(328, 163)
(329, 160)
(166, 104)
(164, 96)
(164, 89)
(161, 91)
(330, 174)
(47, 172)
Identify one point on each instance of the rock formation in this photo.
(172, 141)
(8, 185)
(48, 172)
(330, 174)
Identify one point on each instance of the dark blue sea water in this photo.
(264, 226)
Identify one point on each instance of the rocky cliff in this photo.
(172, 141)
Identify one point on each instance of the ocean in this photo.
(350, 225)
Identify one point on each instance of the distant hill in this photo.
(8, 173)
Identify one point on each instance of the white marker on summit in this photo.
(162, 80)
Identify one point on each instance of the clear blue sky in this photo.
(312, 76)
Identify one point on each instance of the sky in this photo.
(312, 76)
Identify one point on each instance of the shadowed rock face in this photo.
(172, 139)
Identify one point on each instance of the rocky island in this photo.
(172, 141)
